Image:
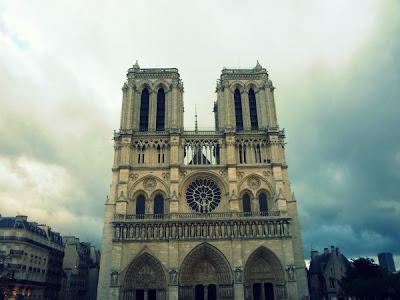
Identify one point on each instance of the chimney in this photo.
(314, 253)
(21, 218)
(337, 251)
(326, 251)
(332, 249)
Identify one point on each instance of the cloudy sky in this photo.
(335, 66)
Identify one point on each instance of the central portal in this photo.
(205, 275)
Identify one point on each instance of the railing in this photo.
(211, 215)
(195, 229)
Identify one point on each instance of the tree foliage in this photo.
(367, 280)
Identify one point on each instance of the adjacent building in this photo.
(31, 259)
(81, 267)
(326, 271)
(386, 260)
(200, 214)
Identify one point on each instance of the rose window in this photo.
(203, 195)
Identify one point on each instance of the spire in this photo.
(136, 66)
(258, 66)
(195, 118)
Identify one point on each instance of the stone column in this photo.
(262, 111)
(152, 110)
(238, 291)
(135, 108)
(246, 111)
(230, 110)
(262, 291)
(167, 119)
(124, 104)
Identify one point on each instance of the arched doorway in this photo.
(205, 274)
(144, 279)
(264, 278)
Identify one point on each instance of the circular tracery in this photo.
(203, 195)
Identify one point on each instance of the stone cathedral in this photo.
(200, 214)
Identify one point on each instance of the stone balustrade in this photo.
(182, 227)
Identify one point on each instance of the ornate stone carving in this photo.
(121, 197)
(222, 172)
(149, 184)
(267, 173)
(254, 182)
(183, 173)
(133, 176)
(165, 175)
(240, 174)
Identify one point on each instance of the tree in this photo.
(367, 280)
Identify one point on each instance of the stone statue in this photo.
(291, 272)
(114, 278)
(238, 274)
(173, 274)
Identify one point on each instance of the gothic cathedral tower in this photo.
(200, 214)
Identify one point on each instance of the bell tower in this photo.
(152, 100)
(245, 100)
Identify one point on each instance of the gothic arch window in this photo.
(246, 202)
(253, 110)
(160, 118)
(140, 206)
(263, 203)
(158, 206)
(238, 109)
(144, 110)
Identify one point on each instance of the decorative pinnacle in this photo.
(258, 66)
(195, 118)
(136, 65)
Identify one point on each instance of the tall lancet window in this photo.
(160, 119)
(238, 110)
(253, 110)
(144, 110)
(246, 203)
(140, 206)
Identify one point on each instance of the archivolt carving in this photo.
(148, 181)
(145, 272)
(205, 264)
(263, 265)
(254, 182)
(251, 182)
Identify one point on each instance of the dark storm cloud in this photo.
(344, 155)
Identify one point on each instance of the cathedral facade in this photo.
(200, 214)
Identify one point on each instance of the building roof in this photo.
(319, 262)
(21, 222)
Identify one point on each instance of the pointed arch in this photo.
(263, 266)
(237, 97)
(205, 264)
(145, 272)
(160, 116)
(144, 110)
(253, 109)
